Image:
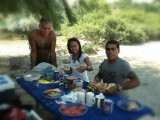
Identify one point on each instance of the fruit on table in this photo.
(72, 110)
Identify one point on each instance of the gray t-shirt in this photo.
(115, 73)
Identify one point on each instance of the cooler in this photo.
(7, 89)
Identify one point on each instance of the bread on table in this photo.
(100, 87)
(52, 92)
(110, 85)
(132, 105)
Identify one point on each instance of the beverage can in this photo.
(108, 106)
(56, 75)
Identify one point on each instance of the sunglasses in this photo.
(110, 49)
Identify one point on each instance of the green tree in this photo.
(90, 23)
(39, 8)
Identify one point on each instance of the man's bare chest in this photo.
(43, 44)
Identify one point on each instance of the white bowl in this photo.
(32, 76)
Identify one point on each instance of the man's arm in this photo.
(88, 66)
(53, 47)
(132, 83)
(33, 51)
(98, 77)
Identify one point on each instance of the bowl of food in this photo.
(73, 109)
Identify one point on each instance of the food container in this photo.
(7, 89)
(68, 85)
(69, 82)
(78, 83)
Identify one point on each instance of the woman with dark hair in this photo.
(79, 61)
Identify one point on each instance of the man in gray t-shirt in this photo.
(115, 70)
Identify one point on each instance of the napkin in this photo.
(60, 102)
(71, 97)
(100, 96)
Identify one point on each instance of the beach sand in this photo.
(145, 60)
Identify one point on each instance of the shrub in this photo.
(118, 28)
(90, 28)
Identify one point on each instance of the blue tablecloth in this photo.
(93, 113)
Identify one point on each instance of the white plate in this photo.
(71, 77)
(31, 76)
(122, 104)
(53, 97)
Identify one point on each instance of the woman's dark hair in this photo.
(74, 39)
(112, 42)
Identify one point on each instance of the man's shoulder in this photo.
(51, 33)
(33, 32)
(122, 61)
(105, 61)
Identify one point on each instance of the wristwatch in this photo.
(120, 88)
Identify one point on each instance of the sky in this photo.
(147, 1)
(138, 1)
(110, 1)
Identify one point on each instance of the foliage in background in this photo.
(38, 9)
(125, 23)
(10, 6)
(119, 29)
(90, 21)
(93, 20)
(149, 22)
(91, 28)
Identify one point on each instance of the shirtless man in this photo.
(42, 43)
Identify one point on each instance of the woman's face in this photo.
(74, 47)
(45, 29)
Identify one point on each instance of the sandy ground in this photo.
(145, 60)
